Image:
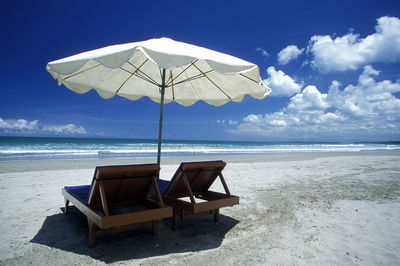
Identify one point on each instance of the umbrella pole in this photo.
(162, 91)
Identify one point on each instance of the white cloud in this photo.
(262, 52)
(368, 109)
(367, 99)
(65, 129)
(228, 121)
(280, 83)
(309, 98)
(288, 54)
(22, 126)
(18, 124)
(349, 52)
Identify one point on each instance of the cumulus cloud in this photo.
(280, 83)
(22, 126)
(368, 99)
(19, 124)
(309, 98)
(350, 51)
(366, 109)
(288, 54)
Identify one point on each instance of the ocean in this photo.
(39, 148)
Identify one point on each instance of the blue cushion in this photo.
(79, 192)
(163, 185)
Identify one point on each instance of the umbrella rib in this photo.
(126, 70)
(172, 85)
(256, 81)
(141, 77)
(77, 73)
(132, 73)
(161, 73)
(137, 69)
(213, 82)
(201, 75)
(148, 78)
(172, 80)
(117, 91)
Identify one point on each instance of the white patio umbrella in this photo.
(163, 70)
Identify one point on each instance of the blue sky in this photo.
(334, 67)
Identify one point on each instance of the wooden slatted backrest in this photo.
(200, 176)
(125, 183)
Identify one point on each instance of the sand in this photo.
(297, 209)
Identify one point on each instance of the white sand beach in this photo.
(295, 209)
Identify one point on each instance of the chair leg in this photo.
(92, 233)
(66, 206)
(154, 225)
(175, 220)
(216, 215)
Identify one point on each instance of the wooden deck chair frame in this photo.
(193, 180)
(114, 188)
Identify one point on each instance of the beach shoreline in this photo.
(331, 208)
(85, 163)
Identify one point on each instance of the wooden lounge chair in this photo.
(188, 191)
(117, 200)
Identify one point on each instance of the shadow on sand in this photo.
(69, 233)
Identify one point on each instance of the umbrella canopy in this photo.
(163, 70)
